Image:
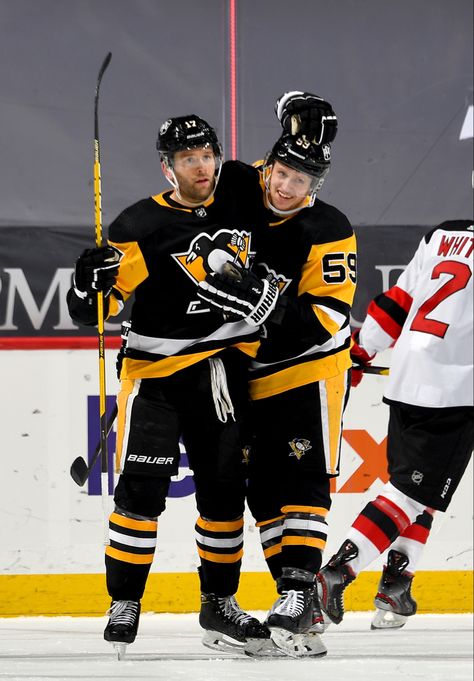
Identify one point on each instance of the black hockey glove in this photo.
(96, 270)
(301, 113)
(240, 295)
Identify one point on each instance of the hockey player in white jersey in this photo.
(428, 315)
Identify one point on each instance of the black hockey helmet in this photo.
(300, 154)
(186, 132)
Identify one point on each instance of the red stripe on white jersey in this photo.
(383, 319)
(401, 297)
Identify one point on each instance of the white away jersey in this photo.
(429, 313)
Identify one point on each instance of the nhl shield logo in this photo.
(299, 447)
(417, 477)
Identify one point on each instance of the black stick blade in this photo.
(79, 471)
(105, 63)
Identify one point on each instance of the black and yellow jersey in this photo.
(166, 250)
(312, 255)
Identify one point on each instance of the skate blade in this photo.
(262, 647)
(253, 647)
(298, 645)
(120, 649)
(386, 619)
(217, 641)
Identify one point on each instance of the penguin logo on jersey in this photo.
(246, 454)
(208, 254)
(299, 447)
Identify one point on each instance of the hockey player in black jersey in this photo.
(182, 374)
(304, 276)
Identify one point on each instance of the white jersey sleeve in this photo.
(428, 317)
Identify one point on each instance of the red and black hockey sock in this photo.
(375, 528)
(412, 541)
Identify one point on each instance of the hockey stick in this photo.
(79, 470)
(381, 371)
(100, 307)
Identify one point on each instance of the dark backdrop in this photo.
(399, 75)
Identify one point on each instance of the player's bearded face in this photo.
(288, 188)
(194, 171)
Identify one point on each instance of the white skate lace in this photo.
(233, 611)
(220, 391)
(123, 612)
(291, 604)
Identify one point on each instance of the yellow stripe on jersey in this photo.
(249, 349)
(162, 200)
(326, 320)
(142, 368)
(132, 271)
(318, 281)
(127, 388)
(332, 394)
(300, 374)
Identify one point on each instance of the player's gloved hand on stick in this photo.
(239, 294)
(360, 359)
(96, 270)
(302, 113)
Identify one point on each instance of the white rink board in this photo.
(52, 526)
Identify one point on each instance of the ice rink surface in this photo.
(168, 648)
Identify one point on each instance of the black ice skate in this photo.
(333, 579)
(394, 601)
(296, 620)
(122, 626)
(228, 626)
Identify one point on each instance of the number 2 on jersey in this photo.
(460, 273)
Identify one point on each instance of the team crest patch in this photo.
(246, 454)
(208, 254)
(299, 447)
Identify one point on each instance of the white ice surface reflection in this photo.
(168, 648)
